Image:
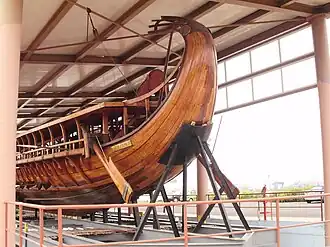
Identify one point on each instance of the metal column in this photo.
(10, 41)
(322, 63)
(202, 188)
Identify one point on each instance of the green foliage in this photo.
(284, 192)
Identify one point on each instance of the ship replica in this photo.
(111, 152)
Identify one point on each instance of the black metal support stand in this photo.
(226, 187)
(170, 213)
(155, 222)
(105, 215)
(159, 188)
(136, 214)
(184, 190)
(206, 214)
(92, 216)
(210, 174)
(119, 216)
(189, 144)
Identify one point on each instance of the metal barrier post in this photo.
(271, 210)
(20, 217)
(321, 205)
(278, 230)
(41, 226)
(185, 225)
(60, 227)
(6, 224)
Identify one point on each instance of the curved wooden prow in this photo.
(153, 79)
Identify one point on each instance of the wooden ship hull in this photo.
(109, 152)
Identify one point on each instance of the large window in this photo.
(239, 93)
(296, 44)
(267, 84)
(299, 75)
(287, 70)
(265, 56)
(238, 66)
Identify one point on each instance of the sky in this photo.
(279, 140)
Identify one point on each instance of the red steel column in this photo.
(322, 63)
(10, 41)
(202, 188)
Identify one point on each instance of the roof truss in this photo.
(63, 62)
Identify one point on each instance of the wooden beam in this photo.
(295, 8)
(48, 28)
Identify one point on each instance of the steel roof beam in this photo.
(259, 38)
(128, 55)
(45, 80)
(223, 31)
(294, 8)
(63, 95)
(42, 35)
(46, 106)
(48, 28)
(62, 59)
(195, 14)
(199, 12)
(111, 29)
(127, 16)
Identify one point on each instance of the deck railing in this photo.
(185, 236)
(64, 147)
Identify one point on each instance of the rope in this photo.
(117, 24)
(99, 143)
(97, 37)
(216, 136)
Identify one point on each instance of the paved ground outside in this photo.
(295, 211)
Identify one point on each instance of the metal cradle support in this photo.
(210, 174)
(213, 170)
(191, 142)
(226, 187)
(155, 222)
(160, 189)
